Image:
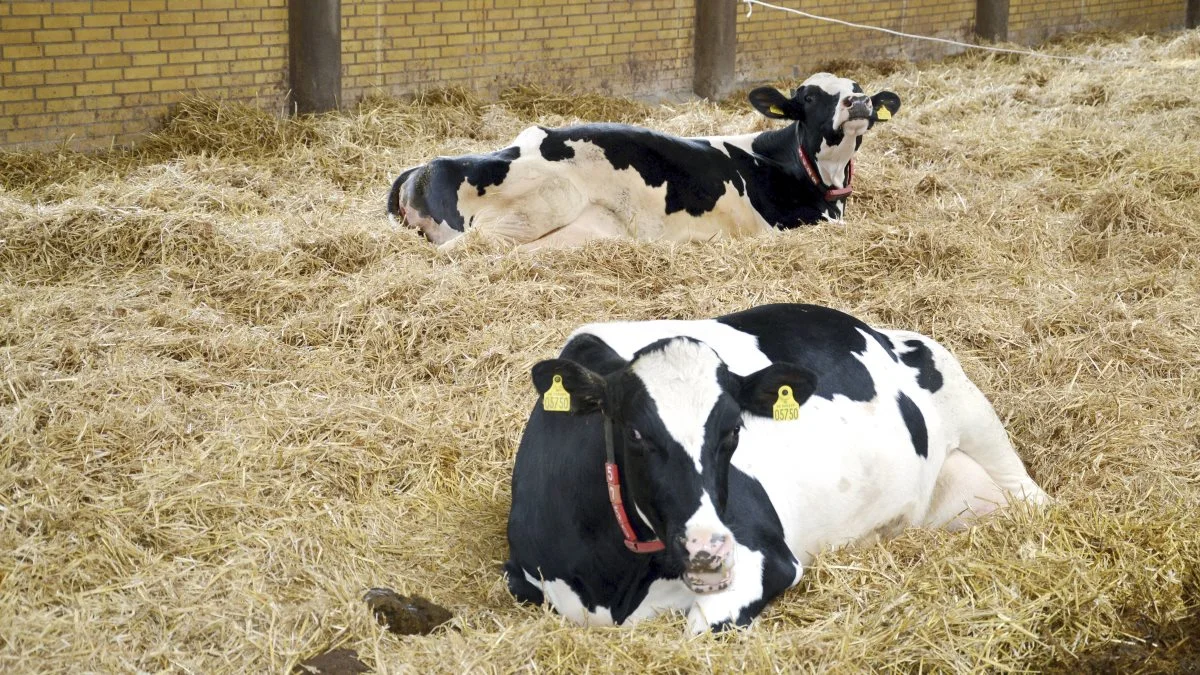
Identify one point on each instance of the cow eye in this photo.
(730, 441)
(635, 434)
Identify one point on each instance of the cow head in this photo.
(831, 114)
(677, 412)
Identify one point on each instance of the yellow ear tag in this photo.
(786, 409)
(777, 110)
(883, 114)
(556, 399)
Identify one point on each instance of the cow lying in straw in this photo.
(698, 466)
(561, 187)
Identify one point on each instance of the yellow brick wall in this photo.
(774, 45)
(103, 69)
(631, 47)
(89, 72)
(1031, 21)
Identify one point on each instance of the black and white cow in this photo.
(561, 187)
(712, 506)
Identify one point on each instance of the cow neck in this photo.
(830, 193)
(613, 477)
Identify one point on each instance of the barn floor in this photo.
(234, 398)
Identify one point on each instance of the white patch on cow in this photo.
(664, 595)
(705, 519)
(832, 160)
(681, 379)
(745, 142)
(963, 493)
(530, 137)
(746, 587)
(567, 603)
(829, 83)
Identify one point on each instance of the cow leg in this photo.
(758, 579)
(982, 436)
(964, 492)
(596, 222)
(520, 587)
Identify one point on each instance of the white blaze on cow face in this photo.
(681, 379)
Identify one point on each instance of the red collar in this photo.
(613, 478)
(832, 193)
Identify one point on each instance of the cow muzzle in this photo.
(858, 107)
(709, 567)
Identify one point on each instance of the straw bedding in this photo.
(234, 398)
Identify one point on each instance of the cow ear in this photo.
(771, 102)
(886, 104)
(586, 389)
(760, 391)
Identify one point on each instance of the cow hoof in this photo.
(333, 662)
(404, 615)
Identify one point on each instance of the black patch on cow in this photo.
(752, 519)
(434, 192)
(820, 339)
(915, 421)
(694, 172)
(776, 184)
(920, 358)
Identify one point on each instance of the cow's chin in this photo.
(856, 126)
(703, 583)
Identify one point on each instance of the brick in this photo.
(63, 49)
(21, 51)
(167, 84)
(23, 79)
(62, 21)
(101, 20)
(131, 86)
(8, 94)
(94, 89)
(54, 91)
(66, 77)
(58, 35)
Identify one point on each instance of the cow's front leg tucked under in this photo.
(596, 222)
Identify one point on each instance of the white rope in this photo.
(1023, 52)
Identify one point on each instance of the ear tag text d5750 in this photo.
(786, 409)
(556, 398)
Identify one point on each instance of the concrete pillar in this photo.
(714, 52)
(991, 19)
(315, 55)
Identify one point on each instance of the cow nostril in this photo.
(847, 102)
